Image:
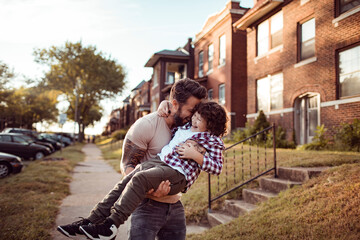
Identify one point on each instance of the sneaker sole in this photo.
(61, 230)
(92, 238)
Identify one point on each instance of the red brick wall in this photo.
(319, 76)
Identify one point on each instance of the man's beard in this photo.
(178, 121)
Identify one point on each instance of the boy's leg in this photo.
(141, 182)
(102, 209)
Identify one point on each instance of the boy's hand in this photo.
(161, 191)
(164, 109)
(192, 151)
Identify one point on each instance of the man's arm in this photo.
(131, 156)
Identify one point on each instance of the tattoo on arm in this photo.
(199, 148)
(131, 154)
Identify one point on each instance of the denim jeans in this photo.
(153, 219)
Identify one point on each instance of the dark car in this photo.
(35, 137)
(9, 164)
(30, 139)
(14, 143)
(65, 141)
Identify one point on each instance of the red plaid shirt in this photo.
(213, 159)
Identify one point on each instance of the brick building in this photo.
(303, 63)
(220, 61)
(168, 67)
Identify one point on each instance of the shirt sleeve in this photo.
(141, 133)
(213, 160)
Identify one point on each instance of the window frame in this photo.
(201, 64)
(270, 97)
(222, 54)
(222, 86)
(269, 34)
(338, 8)
(212, 57)
(339, 96)
(299, 42)
(211, 96)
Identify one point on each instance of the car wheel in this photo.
(39, 155)
(4, 170)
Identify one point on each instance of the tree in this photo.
(85, 75)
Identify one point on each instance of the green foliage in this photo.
(348, 136)
(119, 134)
(5, 75)
(83, 75)
(281, 141)
(260, 124)
(320, 142)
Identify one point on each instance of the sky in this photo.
(129, 31)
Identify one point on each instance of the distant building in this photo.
(168, 67)
(303, 63)
(220, 61)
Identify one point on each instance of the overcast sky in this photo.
(128, 30)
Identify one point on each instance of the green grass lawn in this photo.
(30, 200)
(196, 199)
(326, 207)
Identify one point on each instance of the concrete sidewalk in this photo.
(92, 180)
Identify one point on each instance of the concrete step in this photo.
(195, 228)
(238, 207)
(299, 174)
(276, 185)
(216, 218)
(255, 196)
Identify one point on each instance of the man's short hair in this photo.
(185, 88)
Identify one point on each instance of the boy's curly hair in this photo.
(215, 116)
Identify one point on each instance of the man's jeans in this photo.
(152, 218)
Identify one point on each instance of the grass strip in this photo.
(30, 200)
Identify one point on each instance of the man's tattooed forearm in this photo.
(132, 154)
(199, 148)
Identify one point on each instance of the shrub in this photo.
(320, 142)
(348, 136)
(119, 134)
(281, 141)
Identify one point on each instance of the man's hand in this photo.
(163, 190)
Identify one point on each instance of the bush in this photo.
(281, 141)
(119, 134)
(319, 141)
(348, 136)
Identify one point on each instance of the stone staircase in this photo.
(269, 187)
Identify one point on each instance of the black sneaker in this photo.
(104, 231)
(72, 229)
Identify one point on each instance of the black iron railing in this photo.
(244, 162)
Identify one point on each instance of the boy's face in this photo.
(198, 123)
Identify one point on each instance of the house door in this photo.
(307, 117)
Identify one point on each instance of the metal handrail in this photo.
(252, 178)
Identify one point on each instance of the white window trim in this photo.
(334, 103)
(305, 62)
(275, 49)
(345, 15)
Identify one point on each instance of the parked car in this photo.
(9, 164)
(64, 140)
(14, 143)
(35, 137)
(34, 140)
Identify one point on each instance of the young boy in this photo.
(179, 163)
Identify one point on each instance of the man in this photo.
(160, 214)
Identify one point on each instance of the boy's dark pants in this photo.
(127, 194)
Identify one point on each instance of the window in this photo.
(156, 76)
(345, 5)
(222, 94)
(349, 72)
(222, 50)
(201, 63)
(170, 78)
(270, 93)
(210, 94)
(5, 138)
(307, 39)
(269, 33)
(210, 57)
